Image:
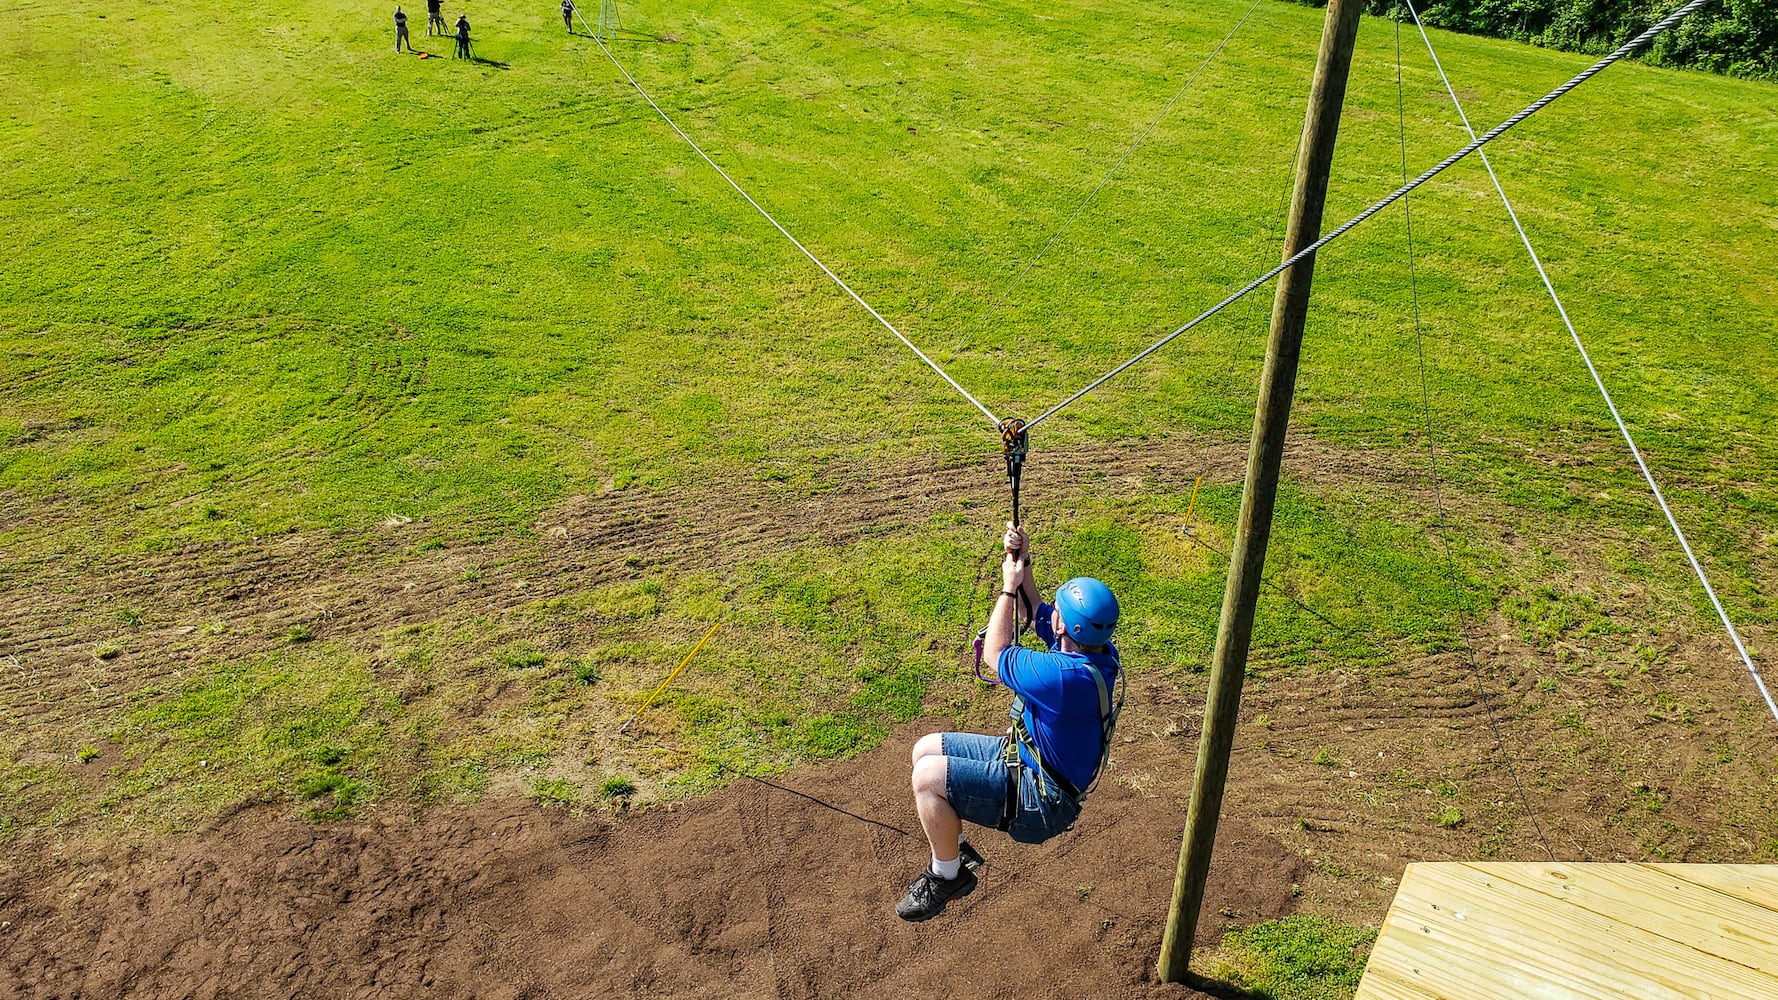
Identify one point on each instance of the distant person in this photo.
(568, 15)
(462, 37)
(435, 18)
(401, 30)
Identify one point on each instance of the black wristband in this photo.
(1009, 593)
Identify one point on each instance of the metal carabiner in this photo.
(1015, 442)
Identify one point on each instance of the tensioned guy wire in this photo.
(1538, 105)
(778, 226)
(1444, 538)
(1561, 310)
(1115, 167)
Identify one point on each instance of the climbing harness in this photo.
(1018, 735)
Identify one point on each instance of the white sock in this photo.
(946, 870)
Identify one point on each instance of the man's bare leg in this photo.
(937, 818)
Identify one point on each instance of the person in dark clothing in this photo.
(462, 36)
(568, 15)
(435, 18)
(401, 31)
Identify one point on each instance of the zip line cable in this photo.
(1623, 50)
(1438, 497)
(1635, 452)
(992, 419)
(1115, 167)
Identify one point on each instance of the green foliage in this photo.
(557, 791)
(337, 795)
(1295, 958)
(86, 755)
(616, 787)
(1735, 37)
(522, 658)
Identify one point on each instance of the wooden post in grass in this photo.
(1246, 561)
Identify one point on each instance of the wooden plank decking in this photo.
(1533, 931)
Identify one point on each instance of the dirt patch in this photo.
(1513, 747)
(777, 888)
(60, 607)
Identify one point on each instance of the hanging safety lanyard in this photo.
(1015, 441)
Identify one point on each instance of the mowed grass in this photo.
(279, 268)
(266, 275)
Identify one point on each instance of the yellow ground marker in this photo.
(1194, 501)
(669, 680)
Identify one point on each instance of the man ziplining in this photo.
(1029, 782)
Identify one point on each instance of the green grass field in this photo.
(266, 277)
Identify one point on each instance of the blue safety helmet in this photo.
(1089, 611)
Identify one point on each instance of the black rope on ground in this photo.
(820, 802)
(1440, 525)
(1345, 630)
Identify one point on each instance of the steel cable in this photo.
(1538, 105)
(1115, 167)
(1561, 310)
(1438, 496)
(992, 419)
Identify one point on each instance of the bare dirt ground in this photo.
(773, 888)
(783, 889)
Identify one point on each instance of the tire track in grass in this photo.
(271, 589)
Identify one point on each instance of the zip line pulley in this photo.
(1015, 439)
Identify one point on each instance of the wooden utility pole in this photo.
(1272, 417)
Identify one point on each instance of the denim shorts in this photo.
(975, 784)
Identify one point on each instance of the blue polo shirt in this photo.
(1061, 701)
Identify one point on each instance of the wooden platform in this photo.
(1523, 931)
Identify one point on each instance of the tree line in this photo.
(1733, 37)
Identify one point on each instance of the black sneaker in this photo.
(971, 860)
(928, 895)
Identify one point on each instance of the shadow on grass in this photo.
(1220, 989)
